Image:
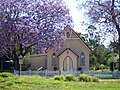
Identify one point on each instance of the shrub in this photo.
(112, 66)
(26, 64)
(9, 83)
(1, 79)
(95, 79)
(70, 77)
(59, 77)
(87, 78)
(6, 74)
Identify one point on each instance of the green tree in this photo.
(106, 15)
(114, 46)
(100, 56)
(26, 63)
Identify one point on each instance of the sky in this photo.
(76, 14)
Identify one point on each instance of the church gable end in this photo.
(71, 34)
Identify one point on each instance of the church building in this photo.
(73, 55)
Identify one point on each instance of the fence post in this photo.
(14, 72)
(61, 70)
(29, 72)
(45, 73)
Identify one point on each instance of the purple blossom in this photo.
(26, 24)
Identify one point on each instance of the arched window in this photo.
(54, 59)
(82, 59)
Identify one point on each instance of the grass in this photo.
(42, 83)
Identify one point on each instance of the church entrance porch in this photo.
(67, 60)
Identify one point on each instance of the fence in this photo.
(41, 73)
(103, 74)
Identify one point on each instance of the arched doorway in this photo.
(67, 64)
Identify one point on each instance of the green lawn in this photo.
(41, 83)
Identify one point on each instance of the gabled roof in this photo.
(68, 27)
(68, 49)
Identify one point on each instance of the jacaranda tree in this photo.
(106, 15)
(28, 23)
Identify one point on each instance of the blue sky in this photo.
(77, 15)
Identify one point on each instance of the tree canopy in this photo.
(100, 56)
(106, 15)
(28, 23)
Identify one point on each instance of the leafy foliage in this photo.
(112, 66)
(31, 23)
(42, 83)
(105, 15)
(114, 46)
(70, 77)
(87, 78)
(100, 56)
(6, 74)
(26, 64)
(59, 77)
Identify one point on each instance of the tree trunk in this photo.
(1, 68)
(16, 63)
(114, 20)
(119, 53)
(16, 60)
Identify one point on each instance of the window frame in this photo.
(82, 59)
(54, 62)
